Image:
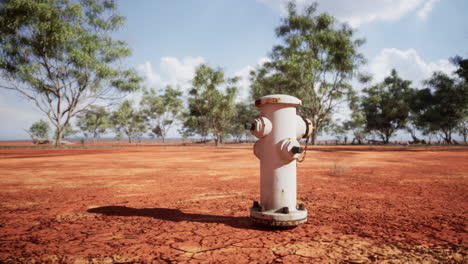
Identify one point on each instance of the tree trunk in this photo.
(130, 139)
(163, 139)
(58, 137)
(448, 137)
(217, 139)
(313, 136)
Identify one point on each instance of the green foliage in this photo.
(315, 62)
(163, 110)
(386, 106)
(59, 54)
(126, 120)
(357, 123)
(244, 113)
(39, 130)
(338, 129)
(442, 106)
(68, 131)
(94, 121)
(462, 70)
(462, 128)
(210, 110)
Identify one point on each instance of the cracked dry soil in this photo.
(172, 204)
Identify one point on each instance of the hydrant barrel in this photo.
(278, 128)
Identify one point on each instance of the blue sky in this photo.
(170, 38)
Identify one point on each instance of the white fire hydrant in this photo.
(279, 128)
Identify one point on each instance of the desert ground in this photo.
(189, 204)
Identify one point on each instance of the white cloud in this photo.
(180, 72)
(408, 64)
(357, 13)
(426, 9)
(171, 71)
(243, 92)
(147, 70)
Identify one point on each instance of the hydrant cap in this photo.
(278, 99)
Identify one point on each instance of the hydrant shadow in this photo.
(175, 215)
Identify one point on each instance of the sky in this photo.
(169, 39)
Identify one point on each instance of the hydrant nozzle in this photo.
(297, 150)
(249, 126)
(279, 130)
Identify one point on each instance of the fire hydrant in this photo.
(279, 129)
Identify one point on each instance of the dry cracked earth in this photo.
(189, 204)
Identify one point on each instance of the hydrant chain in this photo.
(305, 152)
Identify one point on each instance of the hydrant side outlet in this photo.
(278, 128)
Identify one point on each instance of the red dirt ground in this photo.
(161, 204)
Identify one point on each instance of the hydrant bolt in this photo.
(256, 204)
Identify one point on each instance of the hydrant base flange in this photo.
(279, 223)
(272, 218)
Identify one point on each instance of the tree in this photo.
(315, 62)
(462, 70)
(210, 110)
(442, 105)
(163, 110)
(462, 128)
(386, 106)
(339, 130)
(59, 55)
(357, 123)
(68, 131)
(357, 126)
(244, 113)
(94, 121)
(128, 121)
(39, 131)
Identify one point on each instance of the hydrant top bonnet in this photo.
(278, 99)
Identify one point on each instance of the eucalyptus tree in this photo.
(94, 121)
(386, 106)
(210, 110)
(244, 113)
(357, 123)
(339, 130)
(162, 111)
(442, 105)
(462, 70)
(462, 128)
(128, 121)
(68, 131)
(59, 55)
(315, 62)
(39, 131)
